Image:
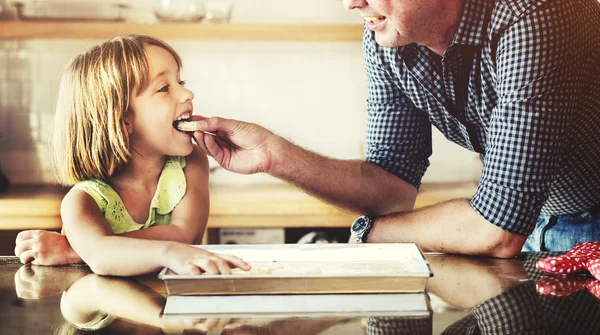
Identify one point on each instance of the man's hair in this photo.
(90, 138)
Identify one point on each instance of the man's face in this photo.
(398, 22)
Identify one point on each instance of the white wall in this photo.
(311, 93)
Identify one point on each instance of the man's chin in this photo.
(387, 40)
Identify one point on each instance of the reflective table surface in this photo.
(467, 295)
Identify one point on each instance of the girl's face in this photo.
(155, 108)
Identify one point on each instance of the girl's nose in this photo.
(186, 95)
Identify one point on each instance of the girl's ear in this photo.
(129, 122)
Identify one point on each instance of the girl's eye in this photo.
(182, 83)
(164, 89)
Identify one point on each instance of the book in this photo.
(281, 306)
(310, 269)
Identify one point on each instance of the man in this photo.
(517, 81)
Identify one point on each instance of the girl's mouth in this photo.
(176, 125)
(185, 117)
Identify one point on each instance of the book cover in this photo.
(311, 269)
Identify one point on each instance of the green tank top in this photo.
(169, 191)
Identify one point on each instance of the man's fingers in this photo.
(197, 118)
(199, 137)
(218, 125)
(214, 149)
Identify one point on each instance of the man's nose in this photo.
(353, 4)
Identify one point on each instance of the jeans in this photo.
(562, 232)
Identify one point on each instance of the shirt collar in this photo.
(474, 22)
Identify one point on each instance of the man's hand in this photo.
(41, 247)
(238, 147)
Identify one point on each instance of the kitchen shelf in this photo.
(245, 206)
(181, 31)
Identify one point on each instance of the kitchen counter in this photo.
(260, 206)
(467, 295)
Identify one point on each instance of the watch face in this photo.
(360, 225)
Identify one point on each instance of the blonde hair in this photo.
(90, 138)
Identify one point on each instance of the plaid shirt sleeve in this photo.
(536, 82)
(398, 134)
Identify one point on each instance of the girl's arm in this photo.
(93, 240)
(188, 222)
(189, 218)
(127, 299)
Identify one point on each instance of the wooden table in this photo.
(479, 294)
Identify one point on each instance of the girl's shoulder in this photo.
(99, 190)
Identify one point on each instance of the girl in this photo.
(140, 194)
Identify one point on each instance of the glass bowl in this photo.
(217, 11)
(179, 10)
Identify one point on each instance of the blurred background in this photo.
(293, 66)
(312, 93)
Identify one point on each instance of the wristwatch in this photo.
(360, 228)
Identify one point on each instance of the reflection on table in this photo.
(497, 297)
(502, 297)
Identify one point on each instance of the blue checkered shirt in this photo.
(520, 85)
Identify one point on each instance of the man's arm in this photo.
(355, 185)
(398, 146)
(458, 279)
(449, 227)
(361, 187)
(350, 184)
(538, 87)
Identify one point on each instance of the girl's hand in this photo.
(41, 247)
(185, 259)
(38, 282)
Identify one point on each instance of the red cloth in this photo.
(583, 256)
(560, 286)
